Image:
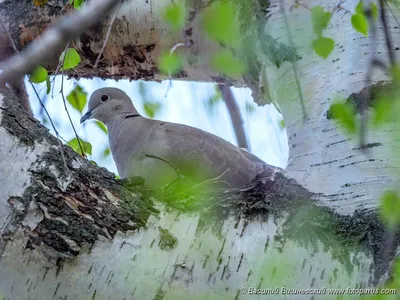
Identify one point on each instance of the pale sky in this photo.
(183, 102)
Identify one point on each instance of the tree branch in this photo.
(234, 113)
(53, 40)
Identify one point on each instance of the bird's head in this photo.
(107, 103)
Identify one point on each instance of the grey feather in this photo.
(160, 151)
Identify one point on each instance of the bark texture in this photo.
(322, 155)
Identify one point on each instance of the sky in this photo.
(181, 102)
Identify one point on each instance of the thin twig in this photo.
(291, 43)
(392, 57)
(65, 105)
(52, 125)
(51, 42)
(366, 93)
(107, 35)
(60, 64)
(167, 162)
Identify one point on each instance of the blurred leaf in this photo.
(220, 23)
(320, 19)
(250, 108)
(226, 63)
(395, 72)
(48, 85)
(323, 46)
(170, 63)
(390, 208)
(213, 100)
(77, 3)
(106, 152)
(86, 146)
(281, 124)
(175, 15)
(72, 59)
(278, 52)
(344, 114)
(77, 98)
(102, 127)
(374, 9)
(360, 23)
(38, 75)
(151, 108)
(382, 111)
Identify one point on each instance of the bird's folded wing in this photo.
(203, 155)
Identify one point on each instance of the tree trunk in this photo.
(322, 156)
(74, 232)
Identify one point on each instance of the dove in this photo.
(161, 152)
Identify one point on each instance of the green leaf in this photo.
(360, 23)
(390, 208)
(151, 108)
(320, 19)
(344, 114)
(86, 146)
(175, 15)
(38, 75)
(323, 46)
(220, 23)
(72, 59)
(77, 98)
(170, 64)
(382, 111)
(106, 152)
(374, 9)
(212, 101)
(77, 3)
(282, 124)
(48, 85)
(226, 63)
(102, 127)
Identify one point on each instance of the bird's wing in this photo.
(202, 155)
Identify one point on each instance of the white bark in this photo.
(321, 156)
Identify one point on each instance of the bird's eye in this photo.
(104, 98)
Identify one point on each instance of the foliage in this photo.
(278, 52)
(69, 59)
(323, 46)
(38, 75)
(226, 63)
(220, 24)
(78, 146)
(170, 63)
(359, 19)
(77, 98)
(77, 3)
(390, 208)
(174, 15)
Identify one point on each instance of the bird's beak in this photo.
(86, 116)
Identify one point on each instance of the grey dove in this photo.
(161, 151)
